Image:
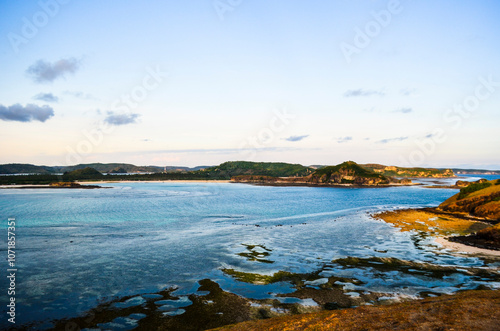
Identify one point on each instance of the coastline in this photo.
(441, 226)
(155, 181)
(89, 186)
(465, 249)
(85, 184)
(306, 184)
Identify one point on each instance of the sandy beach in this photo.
(466, 249)
(438, 225)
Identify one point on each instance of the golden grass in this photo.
(432, 223)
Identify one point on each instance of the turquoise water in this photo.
(75, 248)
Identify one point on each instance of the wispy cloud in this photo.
(407, 92)
(27, 113)
(390, 140)
(80, 95)
(362, 93)
(47, 97)
(406, 110)
(296, 138)
(344, 140)
(431, 135)
(120, 119)
(43, 71)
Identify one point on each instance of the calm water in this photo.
(77, 247)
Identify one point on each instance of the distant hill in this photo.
(118, 170)
(393, 171)
(19, 168)
(476, 172)
(317, 166)
(274, 169)
(227, 170)
(110, 167)
(85, 173)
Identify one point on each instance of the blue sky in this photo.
(411, 83)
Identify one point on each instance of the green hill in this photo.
(86, 173)
(348, 173)
(274, 169)
(109, 167)
(19, 168)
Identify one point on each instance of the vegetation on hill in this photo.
(392, 171)
(348, 173)
(82, 174)
(110, 167)
(18, 168)
(118, 170)
(480, 199)
(273, 169)
(472, 188)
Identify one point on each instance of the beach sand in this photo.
(465, 248)
(438, 225)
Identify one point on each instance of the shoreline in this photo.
(84, 183)
(465, 249)
(299, 184)
(440, 225)
(47, 186)
(155, 181)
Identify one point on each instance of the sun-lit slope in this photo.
(408, 172)
(480, 199)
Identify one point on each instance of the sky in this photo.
(201, 82)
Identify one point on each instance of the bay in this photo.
(76, 248)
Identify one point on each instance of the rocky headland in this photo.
(347, 174)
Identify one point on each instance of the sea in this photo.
(76, 248)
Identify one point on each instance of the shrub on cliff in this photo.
(472, 188)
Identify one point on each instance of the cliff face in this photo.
(348, 173)
(409, 172)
